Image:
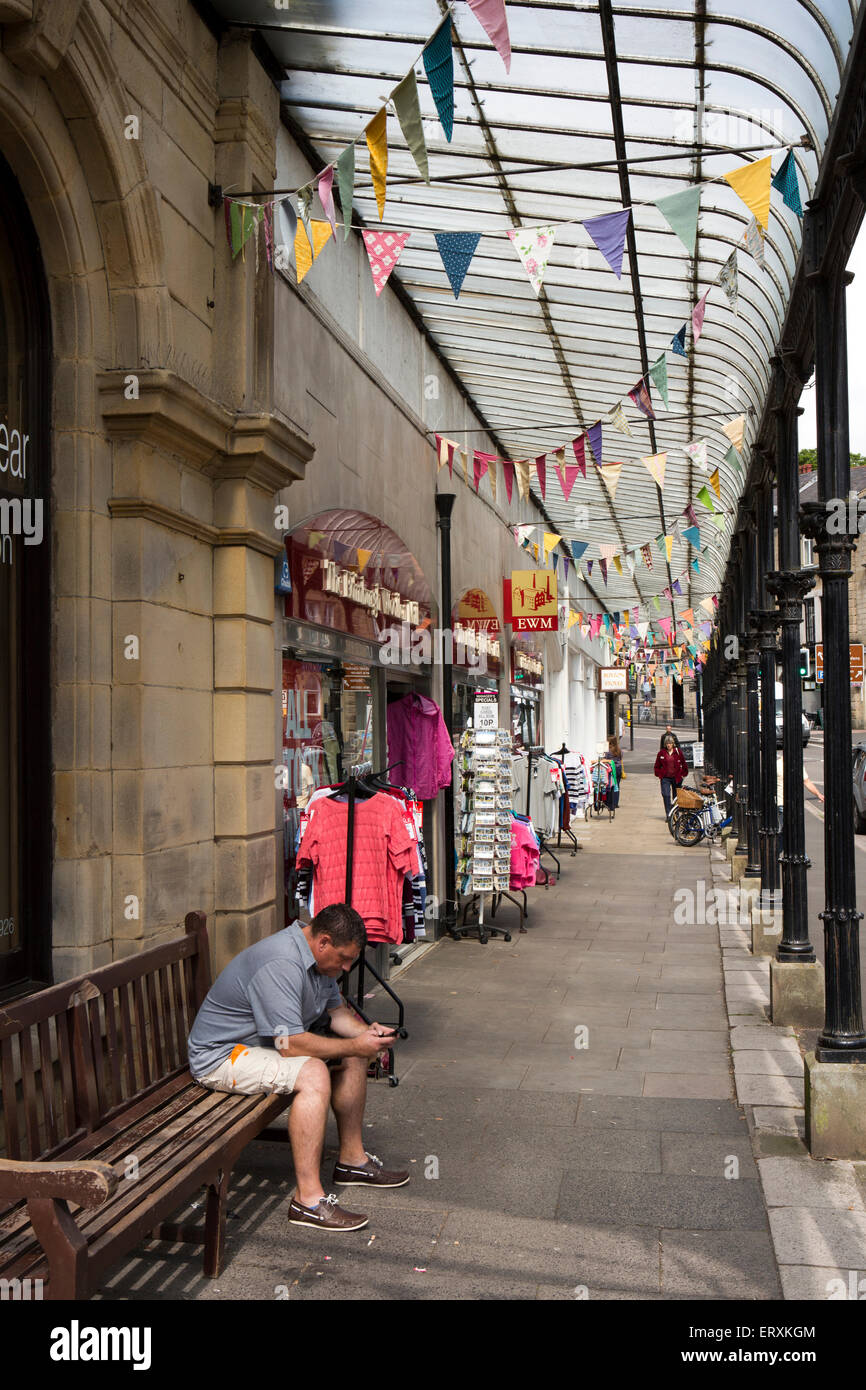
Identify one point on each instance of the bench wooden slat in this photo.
(158, 1054)
(29, 1094)
(9, 1095)
(67, 1084)
(112, 1044)
(168, 1022)
(140, 1046)
(133, 1081)
(49, 1081)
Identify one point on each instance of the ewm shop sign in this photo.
(530, 601)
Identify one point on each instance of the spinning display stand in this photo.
(483, 827)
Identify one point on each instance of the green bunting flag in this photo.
(439, 67)
(346, 185)
(407, 106)
(681, 211)
(659, 373)
(704, 496)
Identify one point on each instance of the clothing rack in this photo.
(358, 771)
(561, 754)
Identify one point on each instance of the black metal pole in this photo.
(444, 507)
(698, 709)
(753, 736)
(766, 629)
(843, 1037)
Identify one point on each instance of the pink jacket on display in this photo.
(418, 743)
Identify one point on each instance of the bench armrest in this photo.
(87, 1184)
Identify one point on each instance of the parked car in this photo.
(807, 727)
(858, 759)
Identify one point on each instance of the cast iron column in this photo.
(742, 711)
(843, 1037)
(753, 748)
(790, 585)
(444, 507)
(765, 623)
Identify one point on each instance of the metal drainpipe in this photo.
(444, 507)
(843, 1037)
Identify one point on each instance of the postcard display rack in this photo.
(483, 824)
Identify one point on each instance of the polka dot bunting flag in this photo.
(383, 251)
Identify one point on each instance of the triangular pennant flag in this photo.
(304, 256)
(642, 399)
(608, 232)
(617, 419)
(346, 186)
(363, 557)
(629, 561)
(659, 373)
(464, 459)
(578, 549)
(243, 219)
(785, 182)
(714, 483)
(508, 475)
(693, 535)
(555, 559)
(697, 452)
(457, 250)
(646, 552)
(610, 476)
(305, 203)
(719, 520)
(602, 564)
(698, 314)
(491, 473)
(565, 564)
(533, 245)
(680, 211)
(678, 343)
(445, 452)
(735, 430)
(377, 143)
(669, 546)
(541, 470)
(479, 465)
(551, 541)
(618, 564)
(326, 196)
(665, 625)
(287, 223)
(521, 468)
(754, 239)
(491, 16)
(439, 67)
(606, 550)
(733, 459)
(593, 435)
(383, 253)
(729, 279)
(567, 475)
(751, 183)
(572, 619)
(704, 496)
(656, 465)
(407, 106)
(676, 588)
(589, 565)
(579, 454)
(656, 602)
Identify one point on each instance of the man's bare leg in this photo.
(348, 1094)
(308, 1114)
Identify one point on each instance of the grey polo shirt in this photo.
(270, 990)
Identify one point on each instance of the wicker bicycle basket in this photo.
(692, 801)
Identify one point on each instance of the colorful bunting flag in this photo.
(659, 373)
(408, 109)
(693, 535)
(730, 281)
(541, 471)
(491, 15)
(593, 436)
(304, 254)
(606, 550)
(714, 483)
(608, 232)
(617, 419)
(786, 184)
(617, 564)
(242, 220)
(457, 250)
(439, 67)
(656, 465)
(680, 211)
(567, 475)
(678, 343)
(704, 496)
(697, 452)
(754, 239)
(383, 252)
(363, 559)
(733, 459)
(346, 186)
(698, 314)
(735, 431)
(642, 399)
(377, 144)
(669, 546)
(551, 541)
(326, 196)
(579, 454)
(751, 183)
(533, 245)
(508, 475)
(602, 564)
(647, 553)
(521, 468)
(610, 477)
(578, 549)
(445, 450)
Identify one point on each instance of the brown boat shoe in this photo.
(326, 1215)
(373, 1173)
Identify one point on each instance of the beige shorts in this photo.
(251, 1070)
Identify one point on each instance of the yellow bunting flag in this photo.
(464, 459)
(714, 483)
(610, 476)
(535, 553)
(491, 473)
(572, 619)
(377, 144)
(363, 557)
(656, 465)
(751, 182)
(669, 546)
(521, 468)
(735, 430)
(618, 563)
(551, 541)
(304, 253)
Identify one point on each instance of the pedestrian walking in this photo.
(614, 757)
(780, 787)
(671, 769)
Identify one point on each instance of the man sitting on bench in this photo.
(252, 1034)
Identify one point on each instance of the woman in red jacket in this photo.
(671, 769)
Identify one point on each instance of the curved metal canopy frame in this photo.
(603, 98)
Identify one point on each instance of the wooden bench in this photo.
(105, 1133)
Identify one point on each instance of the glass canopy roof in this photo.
(606, 105)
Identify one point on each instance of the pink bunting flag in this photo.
(326, 196)
(665, 625)
(580, 454)
(491, 16)
(698, 314)
(541, 470)
(508, 474)
(383, 252)
(567, 475)
(479, 466)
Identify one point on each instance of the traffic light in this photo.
(805, 664)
